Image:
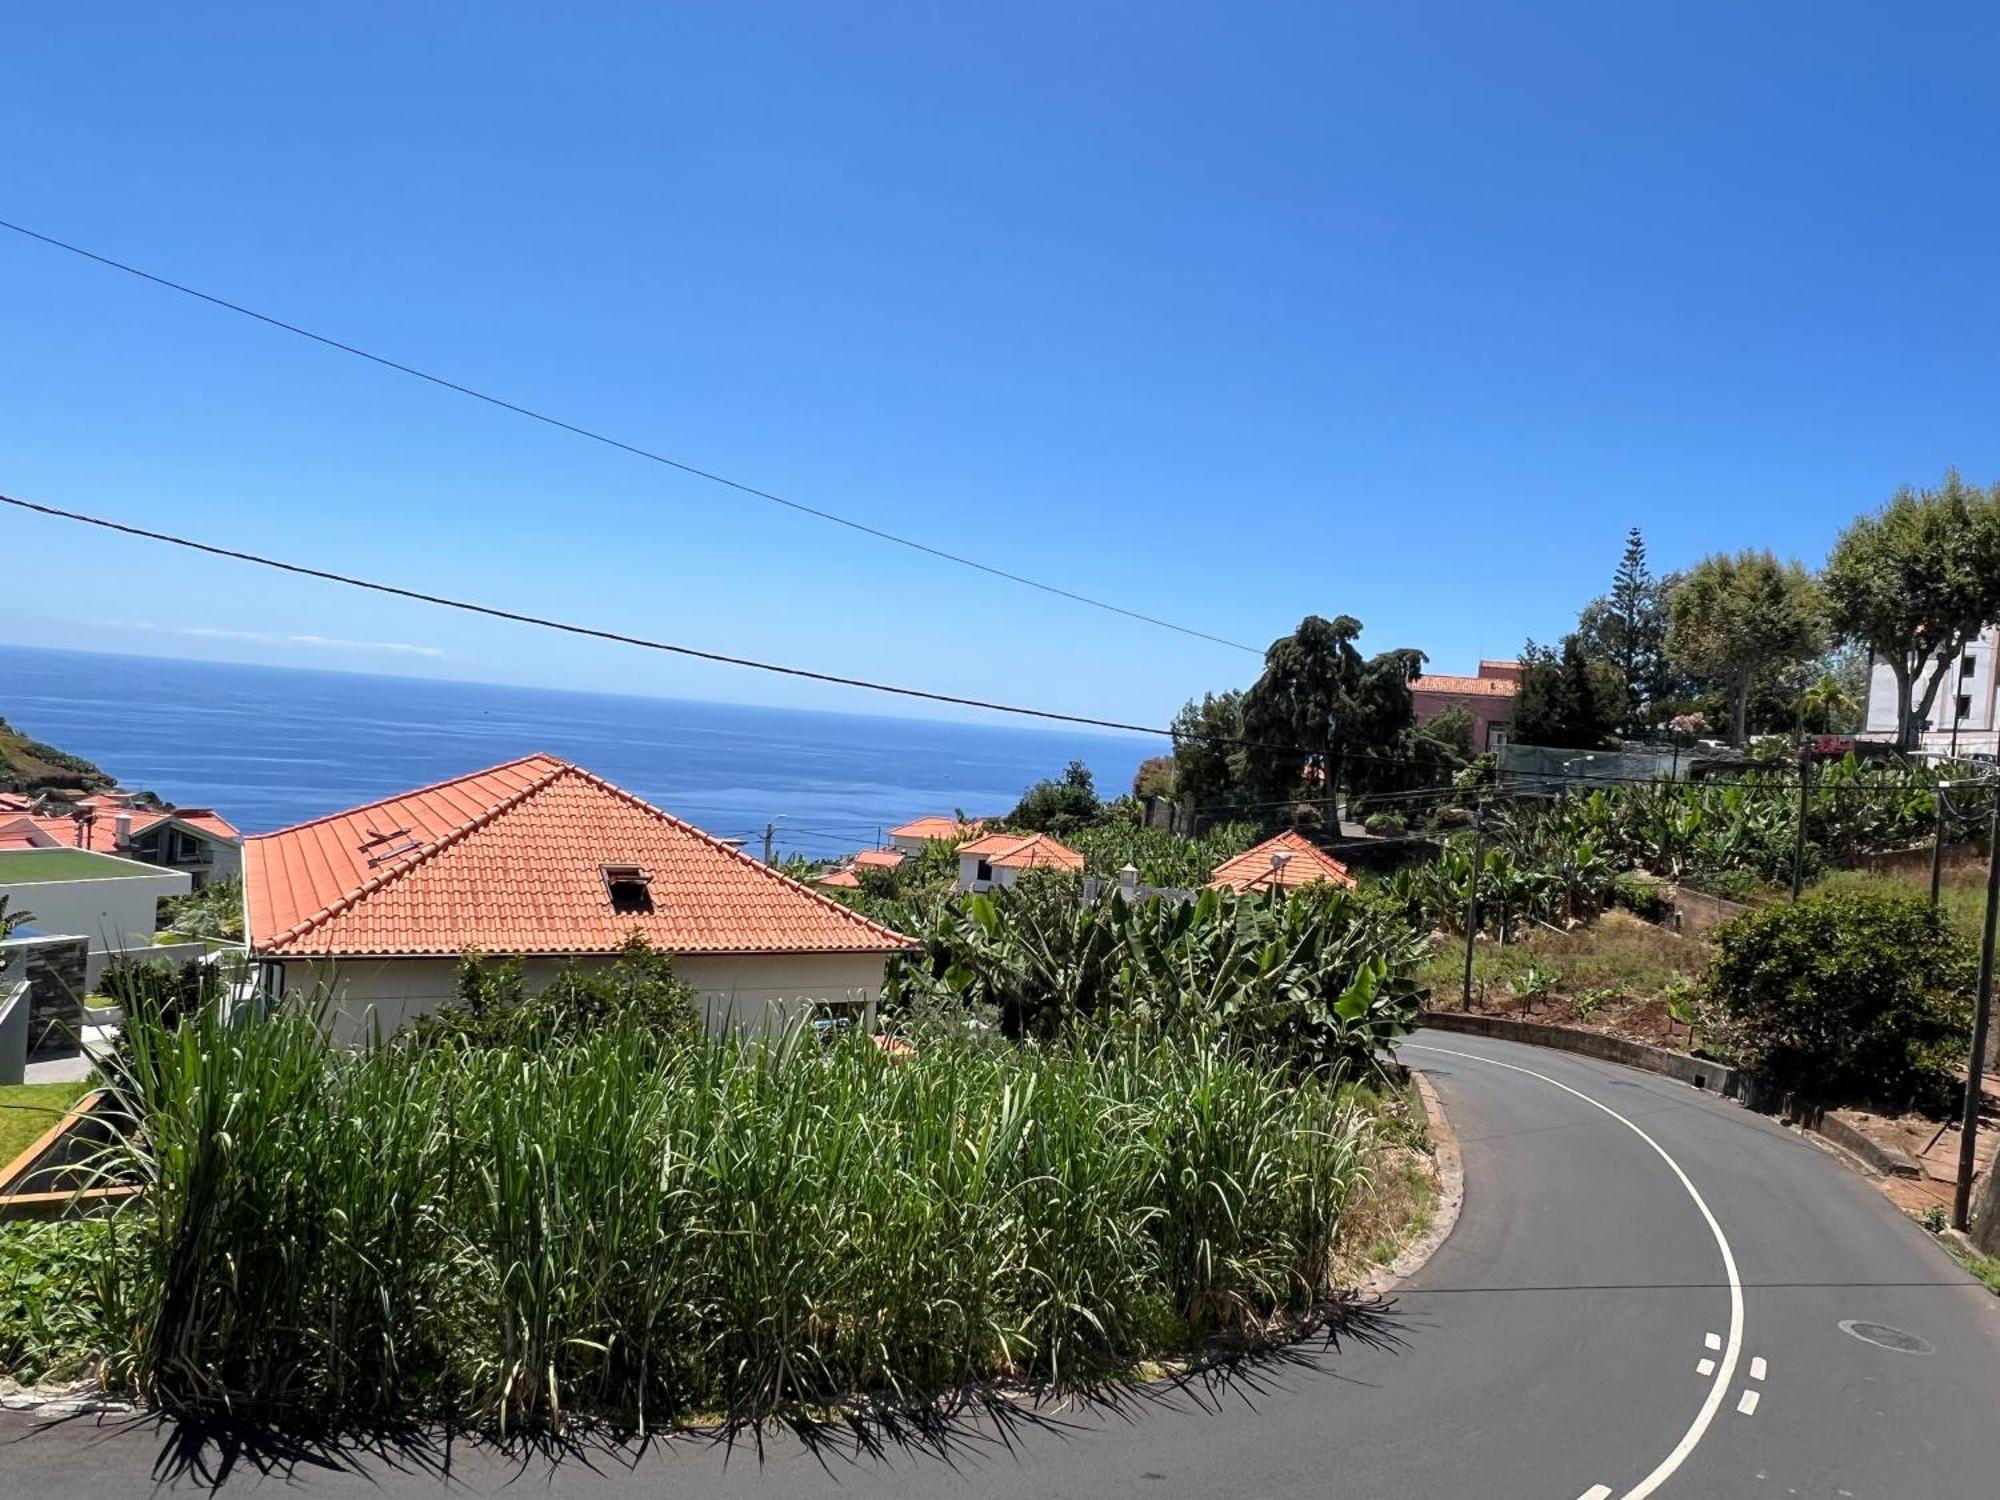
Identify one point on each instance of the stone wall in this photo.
(56, 969)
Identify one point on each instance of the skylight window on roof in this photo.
(630, 888)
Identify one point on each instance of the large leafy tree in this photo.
(1318, 702)
(1568, 698)
(1914, 583)
(1207, 751)
(1736, 620)
(1058, 804)
(1627, 629)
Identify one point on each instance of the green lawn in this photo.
(28, 1109)
(36, 866)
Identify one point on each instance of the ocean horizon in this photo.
(271, 746)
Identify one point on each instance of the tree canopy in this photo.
(1058, 804)
(1318, 701)
(1567, 698)
(1915, 582)
(1737, 619)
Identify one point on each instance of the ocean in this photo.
(271, 746)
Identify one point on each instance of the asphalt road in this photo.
(1644, 1295)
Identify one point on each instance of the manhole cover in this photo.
(1888, 1338)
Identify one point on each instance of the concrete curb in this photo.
(1872, 1154)
(1744, 1087)
(1699, 1072)
(1450, 1196)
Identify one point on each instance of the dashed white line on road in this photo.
(1748, 1404)
(1706, 1367)
(1713, 1340)
(1725, 1375)
(1758, 1367)
(1596, 1492)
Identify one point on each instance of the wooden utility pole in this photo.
(1472, 896)
(1975, 1065)
(1805, 801)
(770, 831)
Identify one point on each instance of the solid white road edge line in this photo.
(1748, 1404)
(1719, 1389)
(1706, 1367)
(1758, 1367)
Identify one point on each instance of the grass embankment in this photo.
(1616, 974)
(650, 1234)
(29, 1109)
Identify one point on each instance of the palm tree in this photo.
(1827, 703)
(9, 920)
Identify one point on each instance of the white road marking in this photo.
(1706, 1367)
(1596, 1492)
(1758, 1367)
(1748, 1404)
(1726, 1373)
(1713, 1340)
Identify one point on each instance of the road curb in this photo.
(1697, 1072)
(1744, 1087)
(1450, 1196)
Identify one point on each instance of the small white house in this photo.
(997, 859)
(542, 861)
(110, 901)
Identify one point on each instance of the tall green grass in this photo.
(647, 1233)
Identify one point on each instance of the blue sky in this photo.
(1401, 310)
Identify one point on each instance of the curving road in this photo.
(1644, 1295)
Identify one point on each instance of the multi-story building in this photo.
(1962, 715)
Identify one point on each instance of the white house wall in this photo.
(756, 992)
(116, 915)
(1976, 730)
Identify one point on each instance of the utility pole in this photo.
(1937, 846)
(1472, 896)
(1975, 1065)
(770, 831)
(1805, 799)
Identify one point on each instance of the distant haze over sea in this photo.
(272, 746)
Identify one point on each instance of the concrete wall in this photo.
(116, 914)
(754, 991)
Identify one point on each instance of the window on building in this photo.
(984, 871)
(1964, 706)
(630, 888)
(1967, 667)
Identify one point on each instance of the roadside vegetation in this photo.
(27, 1110)
(645, 1227)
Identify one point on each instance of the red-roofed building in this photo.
(540, 860)
(1285, 862)
(999, 858)
(196, 840)
(913, 835)
(1489, 697)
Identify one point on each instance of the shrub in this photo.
(494, 1009)
(1385, 822)
(1446, 819)
(214, 911)
(1648, 899)
(1730, 885)
(1848, 995)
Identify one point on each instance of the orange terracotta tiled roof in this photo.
(513, 860)
(100, 831)
(879, 859)
(1305, 863)
(14, 802)
(1016, 851)
(839, 880)
(936, 827)
(1465, 687)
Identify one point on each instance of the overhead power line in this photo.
(593, 632)
(634, 449)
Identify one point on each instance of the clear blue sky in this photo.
(1401, 310)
